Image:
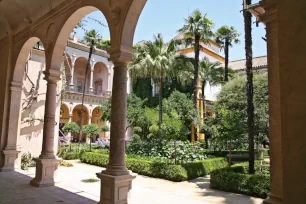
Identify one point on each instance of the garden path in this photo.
(15, 188)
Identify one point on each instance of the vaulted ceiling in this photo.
(16, 14)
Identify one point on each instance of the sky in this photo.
(167, 16)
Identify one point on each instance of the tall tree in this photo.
(157, 60)
(226, 36)
(90, 36)
(249, 71)
(197, 29)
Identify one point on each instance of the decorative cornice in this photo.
(52, 76)
(122, 56)
(270, 11)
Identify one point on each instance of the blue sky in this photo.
(166, 17)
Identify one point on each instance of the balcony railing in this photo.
(93, 92)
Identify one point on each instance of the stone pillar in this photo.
(47, 162)
(275, 134)
(11, 149)
(72, 70)
(116, 180)
(91, 74)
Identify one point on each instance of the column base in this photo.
(115, 189)
(10, 160)
(45, 170)
(273, 199)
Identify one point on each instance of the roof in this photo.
(258, 62)
(181, 36)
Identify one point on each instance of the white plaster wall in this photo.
(31, 133)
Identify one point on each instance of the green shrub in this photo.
(27, 161)
(143, 166)
(203, 168)
(70, 155)
(235, 180)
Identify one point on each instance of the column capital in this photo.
(52, 76)
(270, 11)
(121, 55)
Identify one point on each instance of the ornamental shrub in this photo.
(236, 180)
(141, 166)
(205, 167)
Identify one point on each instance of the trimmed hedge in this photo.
(144, 167)
(235, 180)
(70, 155)
(205, 167)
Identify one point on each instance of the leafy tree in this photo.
(232, 101)
(71, 127)
(103, 44)
(91, 130)
(105, 108)
(91, 35)
(104, 129)
(197, 29)
(157, 60)
(226, 36)
(249, 85)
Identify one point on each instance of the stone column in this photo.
(275, 136)
(116, 180)
(72, 70)
(91, 74)
(47, 162)
(11, 149)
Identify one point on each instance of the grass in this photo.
(91, 180)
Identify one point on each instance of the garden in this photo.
(167, 120)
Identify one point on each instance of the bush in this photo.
(234, 179)
(203, 168)
(71, 155)
(143, 166)
(27, 161)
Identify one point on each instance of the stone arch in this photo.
(96, 119)
(101, 79)
(79, 74)
(71, 20)
(22, 57)
(76, 118)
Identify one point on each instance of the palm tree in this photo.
(226, 36)
(249, 71)
(156, 60)
(90, 36)
(103, 44)
(197, 29)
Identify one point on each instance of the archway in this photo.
(76, 113)
(27, 102)
(79, 75)
(101, 79)
(96, 118)
(64, 118)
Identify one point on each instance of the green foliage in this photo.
(204, 167)
(141, 166)
(70, 155)
(91, 129)
(91, 180)
(185, 151)
(231, 114)
(104, 128)
(105, 107)
(71, 127)
(27, 161)
(91, 35)
(237, 180)
(103, 44)
(227, 34)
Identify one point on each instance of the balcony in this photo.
(93, 92)
(75, 94)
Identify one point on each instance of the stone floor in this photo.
(15, 189)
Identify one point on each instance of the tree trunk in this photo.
(196, 70)
(230, 153)
(226, 52)
(249, 72)
(160, 100)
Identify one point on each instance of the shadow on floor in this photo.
(228, 198)
(15, 188)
